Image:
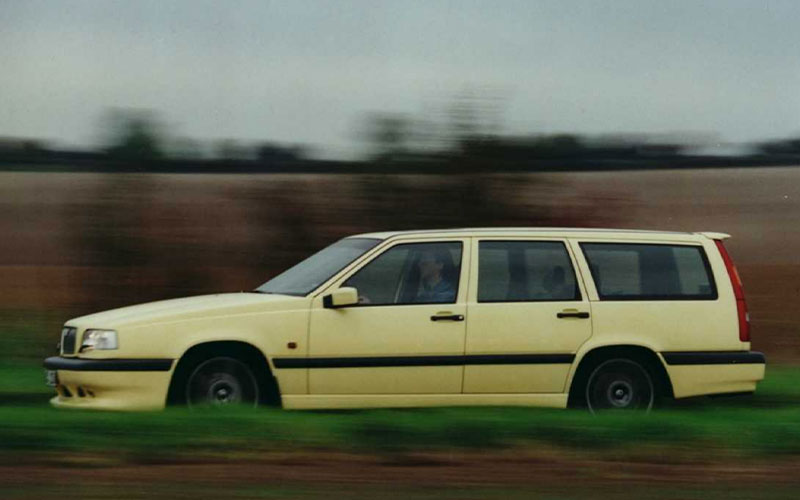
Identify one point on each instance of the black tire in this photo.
(620, 384)
(221, 381)
(242, 361)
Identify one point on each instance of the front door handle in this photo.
(447, 317)
(573, 314)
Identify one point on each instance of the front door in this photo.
(406, 335)
(528, 315)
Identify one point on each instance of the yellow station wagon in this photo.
(525, 316)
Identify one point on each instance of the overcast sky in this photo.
(306, 71)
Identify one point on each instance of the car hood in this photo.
(204, 306)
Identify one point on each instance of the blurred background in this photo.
(151, 150)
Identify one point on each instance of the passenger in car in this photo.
(556, 287)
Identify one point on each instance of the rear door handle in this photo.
(447, 317)
(573, 314)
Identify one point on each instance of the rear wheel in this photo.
(620, 384)
(220, 382)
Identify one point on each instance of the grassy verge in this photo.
(394, 491)
(180, 435)
(22, 378)
(765, 425)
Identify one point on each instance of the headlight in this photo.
(99, 339)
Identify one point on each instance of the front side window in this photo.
(628, 271)
(306, 276)
(411, 273)
(525, 271)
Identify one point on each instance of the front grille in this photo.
(68, 335)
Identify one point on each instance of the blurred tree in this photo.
(230, 149)
(269, 152)
(557, 145)
(184, 148)
(475, 118)
(134, 135)
(388, 135)
(780, 147)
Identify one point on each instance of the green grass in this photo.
(184, 489)
(18, 378)
(765, 425)
(781, 382)
(182, 435)
(28, 336)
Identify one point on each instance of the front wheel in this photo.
(221, 381)
(620, 384)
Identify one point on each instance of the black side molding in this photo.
(108, 365)
(384, 361)
(714, 358)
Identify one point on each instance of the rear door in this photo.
(528, 313)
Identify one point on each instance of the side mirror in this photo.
(342, 297)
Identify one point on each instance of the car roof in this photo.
(546, 231)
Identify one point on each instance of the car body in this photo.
(498, 316)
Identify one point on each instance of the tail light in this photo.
(738, 292)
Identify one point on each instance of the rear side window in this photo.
(525, 271)
(625, 271)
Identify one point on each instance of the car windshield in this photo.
(303, 278)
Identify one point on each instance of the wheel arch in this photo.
(597, 354)
(239, 349)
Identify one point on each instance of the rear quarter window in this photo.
(635, 271)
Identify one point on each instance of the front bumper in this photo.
(111, 384)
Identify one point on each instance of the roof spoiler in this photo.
(714, 236)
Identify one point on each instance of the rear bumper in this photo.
(708, 373)
(114, 384)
